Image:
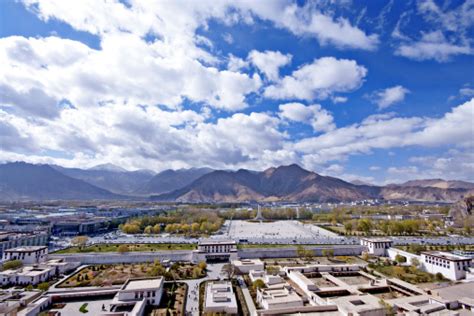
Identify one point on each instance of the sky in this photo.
(377, 91)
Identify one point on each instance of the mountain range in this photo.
(24, 181)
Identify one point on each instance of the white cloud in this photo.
(389, 96)
(319, 80)
(310, 21)
(386, 131)
(269, 62)
(339, 99)
(314, 115)
(374, 168)
(432, 46)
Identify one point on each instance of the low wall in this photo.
(189, 255)
(128, 257)
(393, 252)
(291, 252)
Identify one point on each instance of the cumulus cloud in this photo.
(319, 80)
(388, 131)
(389, 96)
(269, 62)
(314, 115)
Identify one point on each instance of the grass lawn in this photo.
(131, 248)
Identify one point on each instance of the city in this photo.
(180, 259)
(236, 157)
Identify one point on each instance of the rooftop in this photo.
(446, 255)
(377, 239)
(216, 242)
(26, 249)
(141, 284)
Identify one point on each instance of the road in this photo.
(192, 301)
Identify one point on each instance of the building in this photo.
(279, 298)
(136, 294)
(13, 300)
(246, 265)
(451, 266)
(215, 250)
(26, 254)
(37, 273)
(268, 279)
(11, 240)
(377, 246)
(359, 305)
(220, 298)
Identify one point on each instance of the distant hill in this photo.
(109, 177)
(170, 180)
(439, 183)
(286, 183)
(23, 181)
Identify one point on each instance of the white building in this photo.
(34, 274)
(215, 250)
(26, 254)
(11, 240)
(220, 298)
(376, 246)
(359, 305)
(246, 265)
(268, 279)
(279, 298)
(135, 294)
(26, 275)
(453, 267)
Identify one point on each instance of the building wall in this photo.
(32, 257)
(39, 239)
(449, 269)
(254, 253)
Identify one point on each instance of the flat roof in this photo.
(454, 292)
(216, 242)
(377, 239)
(446, 256)
(26, 249)
(140, 284)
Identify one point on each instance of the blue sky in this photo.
(380, 91)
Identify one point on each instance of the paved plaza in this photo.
(278, 232)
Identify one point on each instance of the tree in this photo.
(195, 227)
(258, 284)
(273, 270)
(12, 264)
(80, 242)
(44, 286)
(230, 270)
(29, 287)
(148, 230)
(123, 248)
(156, 229)
(400, 259)
(415, 262)
(348, 227)
(197, 272)
(364, 225)
(202, 265)
(300, 251)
